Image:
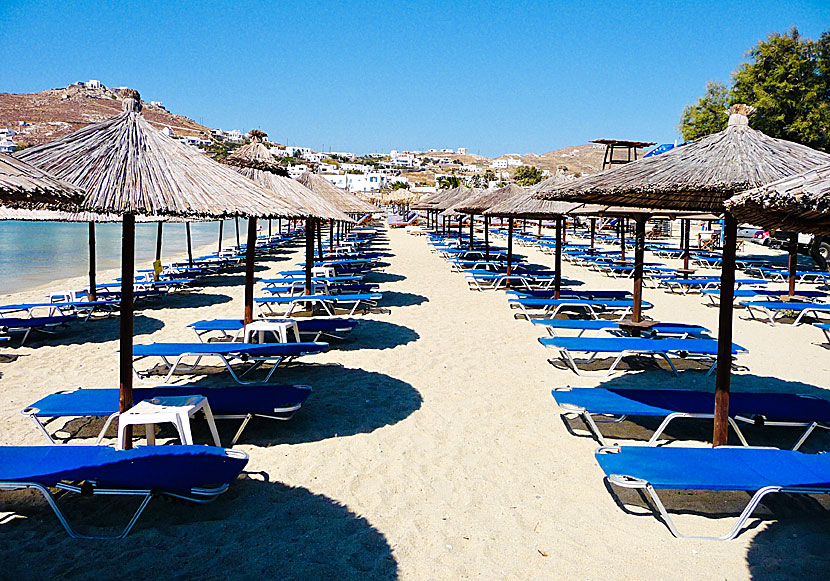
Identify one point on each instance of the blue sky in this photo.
(366, 76)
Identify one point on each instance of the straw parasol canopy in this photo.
(486, 199)
(426, 201)
(698, 176)
(127, 166)
(25, 186)
(800, 203)
(446, 198)
(527, 206)
(256, 163)
(337, 197)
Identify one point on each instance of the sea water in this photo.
(33, 254)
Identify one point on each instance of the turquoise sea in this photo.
(36, 253)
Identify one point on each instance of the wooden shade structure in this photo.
(526, 206)
(700, 177)
(255, 162)
(24, 186)
(127, 167)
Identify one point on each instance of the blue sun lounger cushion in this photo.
(196, 473)
(757, 408)
(761, 471)
(278, 402)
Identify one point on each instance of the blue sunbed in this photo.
(328, 302)
(774, 310)
(760, 471)
(549, 308)
(278, 402)
(196, 473)
(26, 325)
(582, 326)
(702, 349)
(312, 328)
(758, 408)
(255, 354)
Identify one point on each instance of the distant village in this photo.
(417, 170)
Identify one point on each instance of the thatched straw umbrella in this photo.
(442, 200)
(128, 167)
(337, 197)
(256, 163)
(699, 177)
(483, 201)
(799, 203)
(525, 206)
(27, 187)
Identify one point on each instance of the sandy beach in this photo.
(430, 448)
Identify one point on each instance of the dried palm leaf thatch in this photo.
(486, 199)
(291, 192)
(257, 156)
(452, 196)
(698, 176)
(799, 203)
(127, 166)
(21, 215)
(25, 186)
(526, 206)
(337, 197)
(426, 201)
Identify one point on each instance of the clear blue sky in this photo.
(365, 76)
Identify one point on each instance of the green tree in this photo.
(528, 175)
(786, 80)
(400, 186)
(787, 83)
(708, 115)
(448, 182)
(489, 176)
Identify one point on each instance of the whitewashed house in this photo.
(296, 171)
(7, 146)
(461, 151)
(499, 164)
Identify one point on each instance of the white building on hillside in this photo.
(167, 131)
(7, 146)
(194, 141)
(297, 151)
(358, 167)
(461, 151)
(370, 182)
(296, 171)
(499, 164)
(326, 168)
(514, 162)
(7, 133)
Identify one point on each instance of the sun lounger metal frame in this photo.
(635, 483)
(773, 313)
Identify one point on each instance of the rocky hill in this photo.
(54, 113)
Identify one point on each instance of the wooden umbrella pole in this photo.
(486, 238)
(593, 230)
(471, 231)
(189, 245)
(250, 257)
(564, 230)
(158, 240)
(331, 235)
(510, 247)
(309, 253)
(639, 256)
(125, 369)
(319, 230)
(622, 238)
(269, 228)
(686, 243)
(93, 286)
(539, 230)
(221, 228)
(236, 223)
(460, 230)
(279, 226)
(793, 262)
(723, 375)
(557, 273)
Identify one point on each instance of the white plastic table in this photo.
(176, 410)
(279, 327)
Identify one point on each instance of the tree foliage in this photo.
(528, 175)
(400, 186)
(708, 115)
(448, 182)
(787, 80)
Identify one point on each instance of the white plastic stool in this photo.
(176, 410)
(279, 327)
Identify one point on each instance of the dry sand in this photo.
(430, 449)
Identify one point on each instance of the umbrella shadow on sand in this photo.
(256, 529)
(796, 545)
(371, 334)
(93, 331)
(344, 401)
